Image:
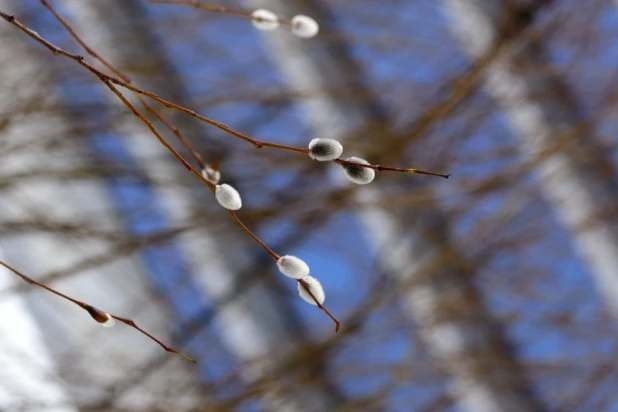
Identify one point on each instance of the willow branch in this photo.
(110, 79)
(97, 314)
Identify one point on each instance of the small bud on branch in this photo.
(228, 197)
(325, 149)
(211, 174)
(293, 267)
(97, 314)
(315, 287)
(358, 174)
(265, 20)
(304, 26)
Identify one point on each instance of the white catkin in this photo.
(265, 20)
(109, 322)
(358, 174)
(228, 197)
(212, 175)
(315, 287)
(293, 267)
(304, 26)
(325, 149)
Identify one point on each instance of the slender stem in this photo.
(245, 229)
(284, 147)
(421, 172)
(132, 324)
(208, 7)
(216, 9)
(34, 282)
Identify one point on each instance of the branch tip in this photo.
(190, 359)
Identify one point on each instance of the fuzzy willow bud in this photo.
(358, 174)
(304, 26)
(212, 175)
(293, 267)
(325, 149)
(228, 197)
(314, 286)
(265, 20)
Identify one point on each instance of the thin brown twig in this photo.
(215, 9)
(207, 7)
(104, 77)
(97, 314)
(245, 229)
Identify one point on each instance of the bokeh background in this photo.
(493, 291)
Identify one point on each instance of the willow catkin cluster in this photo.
(302, 26)
(325, 150)
(320, 149)
(297, 269)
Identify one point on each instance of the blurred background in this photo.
(493, 291)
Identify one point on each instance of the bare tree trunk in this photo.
(551, 131)
(441, 298)
(253, 324)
